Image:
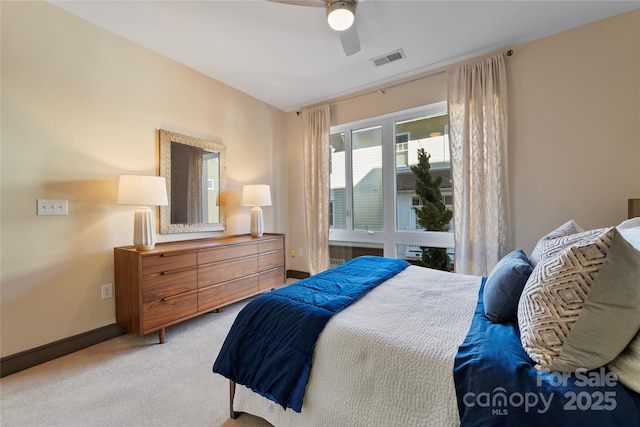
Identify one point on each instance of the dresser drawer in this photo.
(207, 256)
(224, 271)
(271, 279)
(167, 261)
(170, 309)
(218, 295)
(160, 285)
(270, 245)
(269, 260)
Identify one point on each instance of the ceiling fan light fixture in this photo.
(341, 14)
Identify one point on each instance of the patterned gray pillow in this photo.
(567, 229)
(581, 308)
(554, 243)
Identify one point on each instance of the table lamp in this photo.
(143, 191)
(256, 196)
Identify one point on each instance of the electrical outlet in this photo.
(299, 251)
(48, 207)
(107, 291)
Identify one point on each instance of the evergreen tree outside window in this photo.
(433, 215)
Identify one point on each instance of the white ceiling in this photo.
(288, 56)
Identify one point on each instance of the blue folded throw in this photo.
(270, 345)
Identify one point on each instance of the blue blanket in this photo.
(497, 385)
(270, 345)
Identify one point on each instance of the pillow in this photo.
(630, 230)
(629, 223)
(568, 228)
(627, 365)
(581, 308)
(552, 245)
(504, 286)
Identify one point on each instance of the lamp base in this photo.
(144, 229)
(257, 222)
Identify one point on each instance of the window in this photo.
(337, 179)
(431, 134)
(366, 178)
(402, 149)
(373, 196)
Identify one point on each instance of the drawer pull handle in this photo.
(170, 254)
(170, 297)
(178, 270)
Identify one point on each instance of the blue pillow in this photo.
(504, 286)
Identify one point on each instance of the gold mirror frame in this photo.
(166, 139)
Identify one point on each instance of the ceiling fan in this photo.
(340, 17)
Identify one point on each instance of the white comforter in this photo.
(386, 360)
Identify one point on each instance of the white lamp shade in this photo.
(256, 195)
(340, 15)
(142, 190)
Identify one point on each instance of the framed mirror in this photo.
(195, 171)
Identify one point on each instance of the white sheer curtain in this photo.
(477, 102)
(316, 185)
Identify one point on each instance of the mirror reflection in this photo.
(195, 181)
(194, 170)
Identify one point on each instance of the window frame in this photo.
(390, 237)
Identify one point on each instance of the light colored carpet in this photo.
(130, 381)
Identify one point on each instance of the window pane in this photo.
(341, 252)
(431, 134)
(367, 178)
(337, 198)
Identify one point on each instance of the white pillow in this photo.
(630, 230)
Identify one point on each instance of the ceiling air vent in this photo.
(389, 57)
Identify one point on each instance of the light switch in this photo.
(48, 207)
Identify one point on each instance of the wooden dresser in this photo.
(179, 280)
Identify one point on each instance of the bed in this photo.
(422, 348)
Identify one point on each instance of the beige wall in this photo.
(575, 127)
(574, 136)
(80, 106)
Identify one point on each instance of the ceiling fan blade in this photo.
(312, 3)
(350, 40)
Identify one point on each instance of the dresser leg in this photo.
(161, 335)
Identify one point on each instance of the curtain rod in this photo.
(384, 89)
